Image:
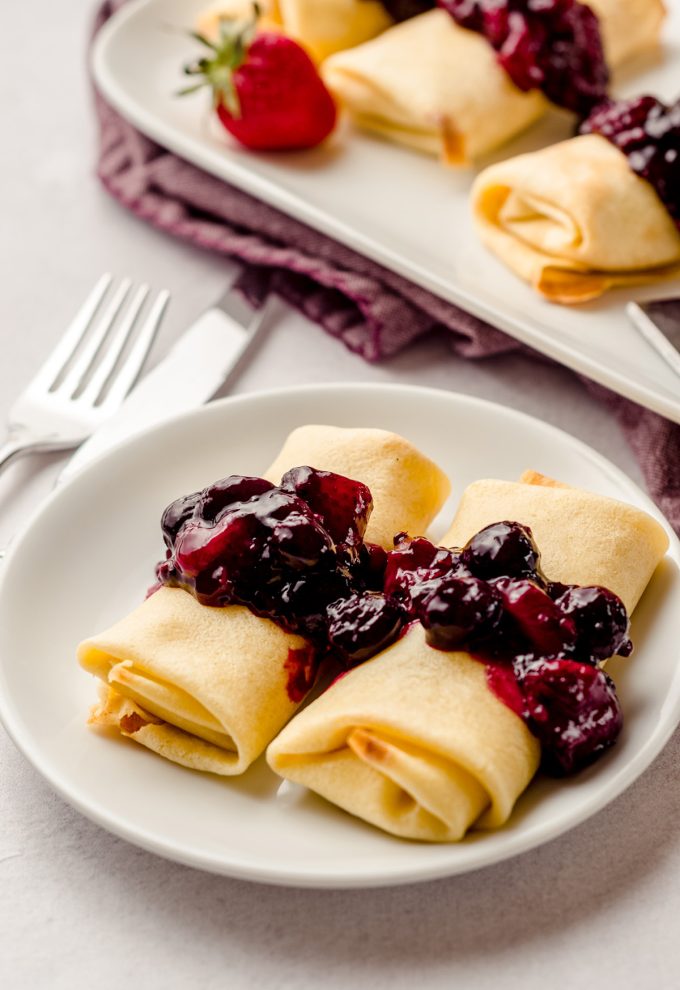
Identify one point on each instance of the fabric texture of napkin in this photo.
(372, 310)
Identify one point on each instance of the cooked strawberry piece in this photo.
(539, 619)
(573, 710)
(343, 505)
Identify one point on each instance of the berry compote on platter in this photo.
(647, 131)
(551, 45)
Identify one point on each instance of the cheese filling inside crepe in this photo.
(208, 687)
(437, 87)
(414, 741)
(209, 684)
(574, 220)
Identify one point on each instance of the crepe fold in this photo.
(408, 488)
(583, 538)
(203, 687)
(414, 741)
(321, 26)
(209, 687)
(574, 220)
(435, 86)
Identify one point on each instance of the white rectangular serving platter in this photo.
(403, 210)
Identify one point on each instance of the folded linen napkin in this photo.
(375, 312)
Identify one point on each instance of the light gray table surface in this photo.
(598, 907)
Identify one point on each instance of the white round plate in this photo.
(88, 556)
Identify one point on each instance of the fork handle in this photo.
(11, 448)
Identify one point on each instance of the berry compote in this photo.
(285, 551)
(647, 131)
(288, 552)
(402, 10)
(551, 45)
(541, 643)
(295, 553)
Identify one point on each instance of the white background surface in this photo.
(78, 908)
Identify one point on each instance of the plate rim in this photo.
(232, 171)
(245, 867)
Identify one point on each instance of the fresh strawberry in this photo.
(266, 90)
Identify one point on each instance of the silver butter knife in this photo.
(659, 323)
(206, 354)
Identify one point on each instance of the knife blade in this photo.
(659, 323)
(206, 354)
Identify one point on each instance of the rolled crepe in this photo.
(203, 687)
(437, 87)
(408, 488)
(583, 538)
(208, 687)
(322, 26)
(574, 220)
(414, 741)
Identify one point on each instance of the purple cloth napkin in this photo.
(371, 310)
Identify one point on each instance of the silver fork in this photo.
(85, 379)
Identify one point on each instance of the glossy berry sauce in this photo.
(541, 643)
(551, 45)
(402, 10)
(647, 131)
(287, 552)
(295, 553)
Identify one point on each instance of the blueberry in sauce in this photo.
(551, 45)
(600, 622)
(503, 549)
(414, 562)
(362, 625)
(175, 516)
(369, 570)
(573, 710)
(647, 131)
(456, 611)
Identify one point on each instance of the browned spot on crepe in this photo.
(453, 143)
(133, 722)
(530, 477)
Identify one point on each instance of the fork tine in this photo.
(55, 363)
(95, 386)
(127, 375)
(84, 361)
